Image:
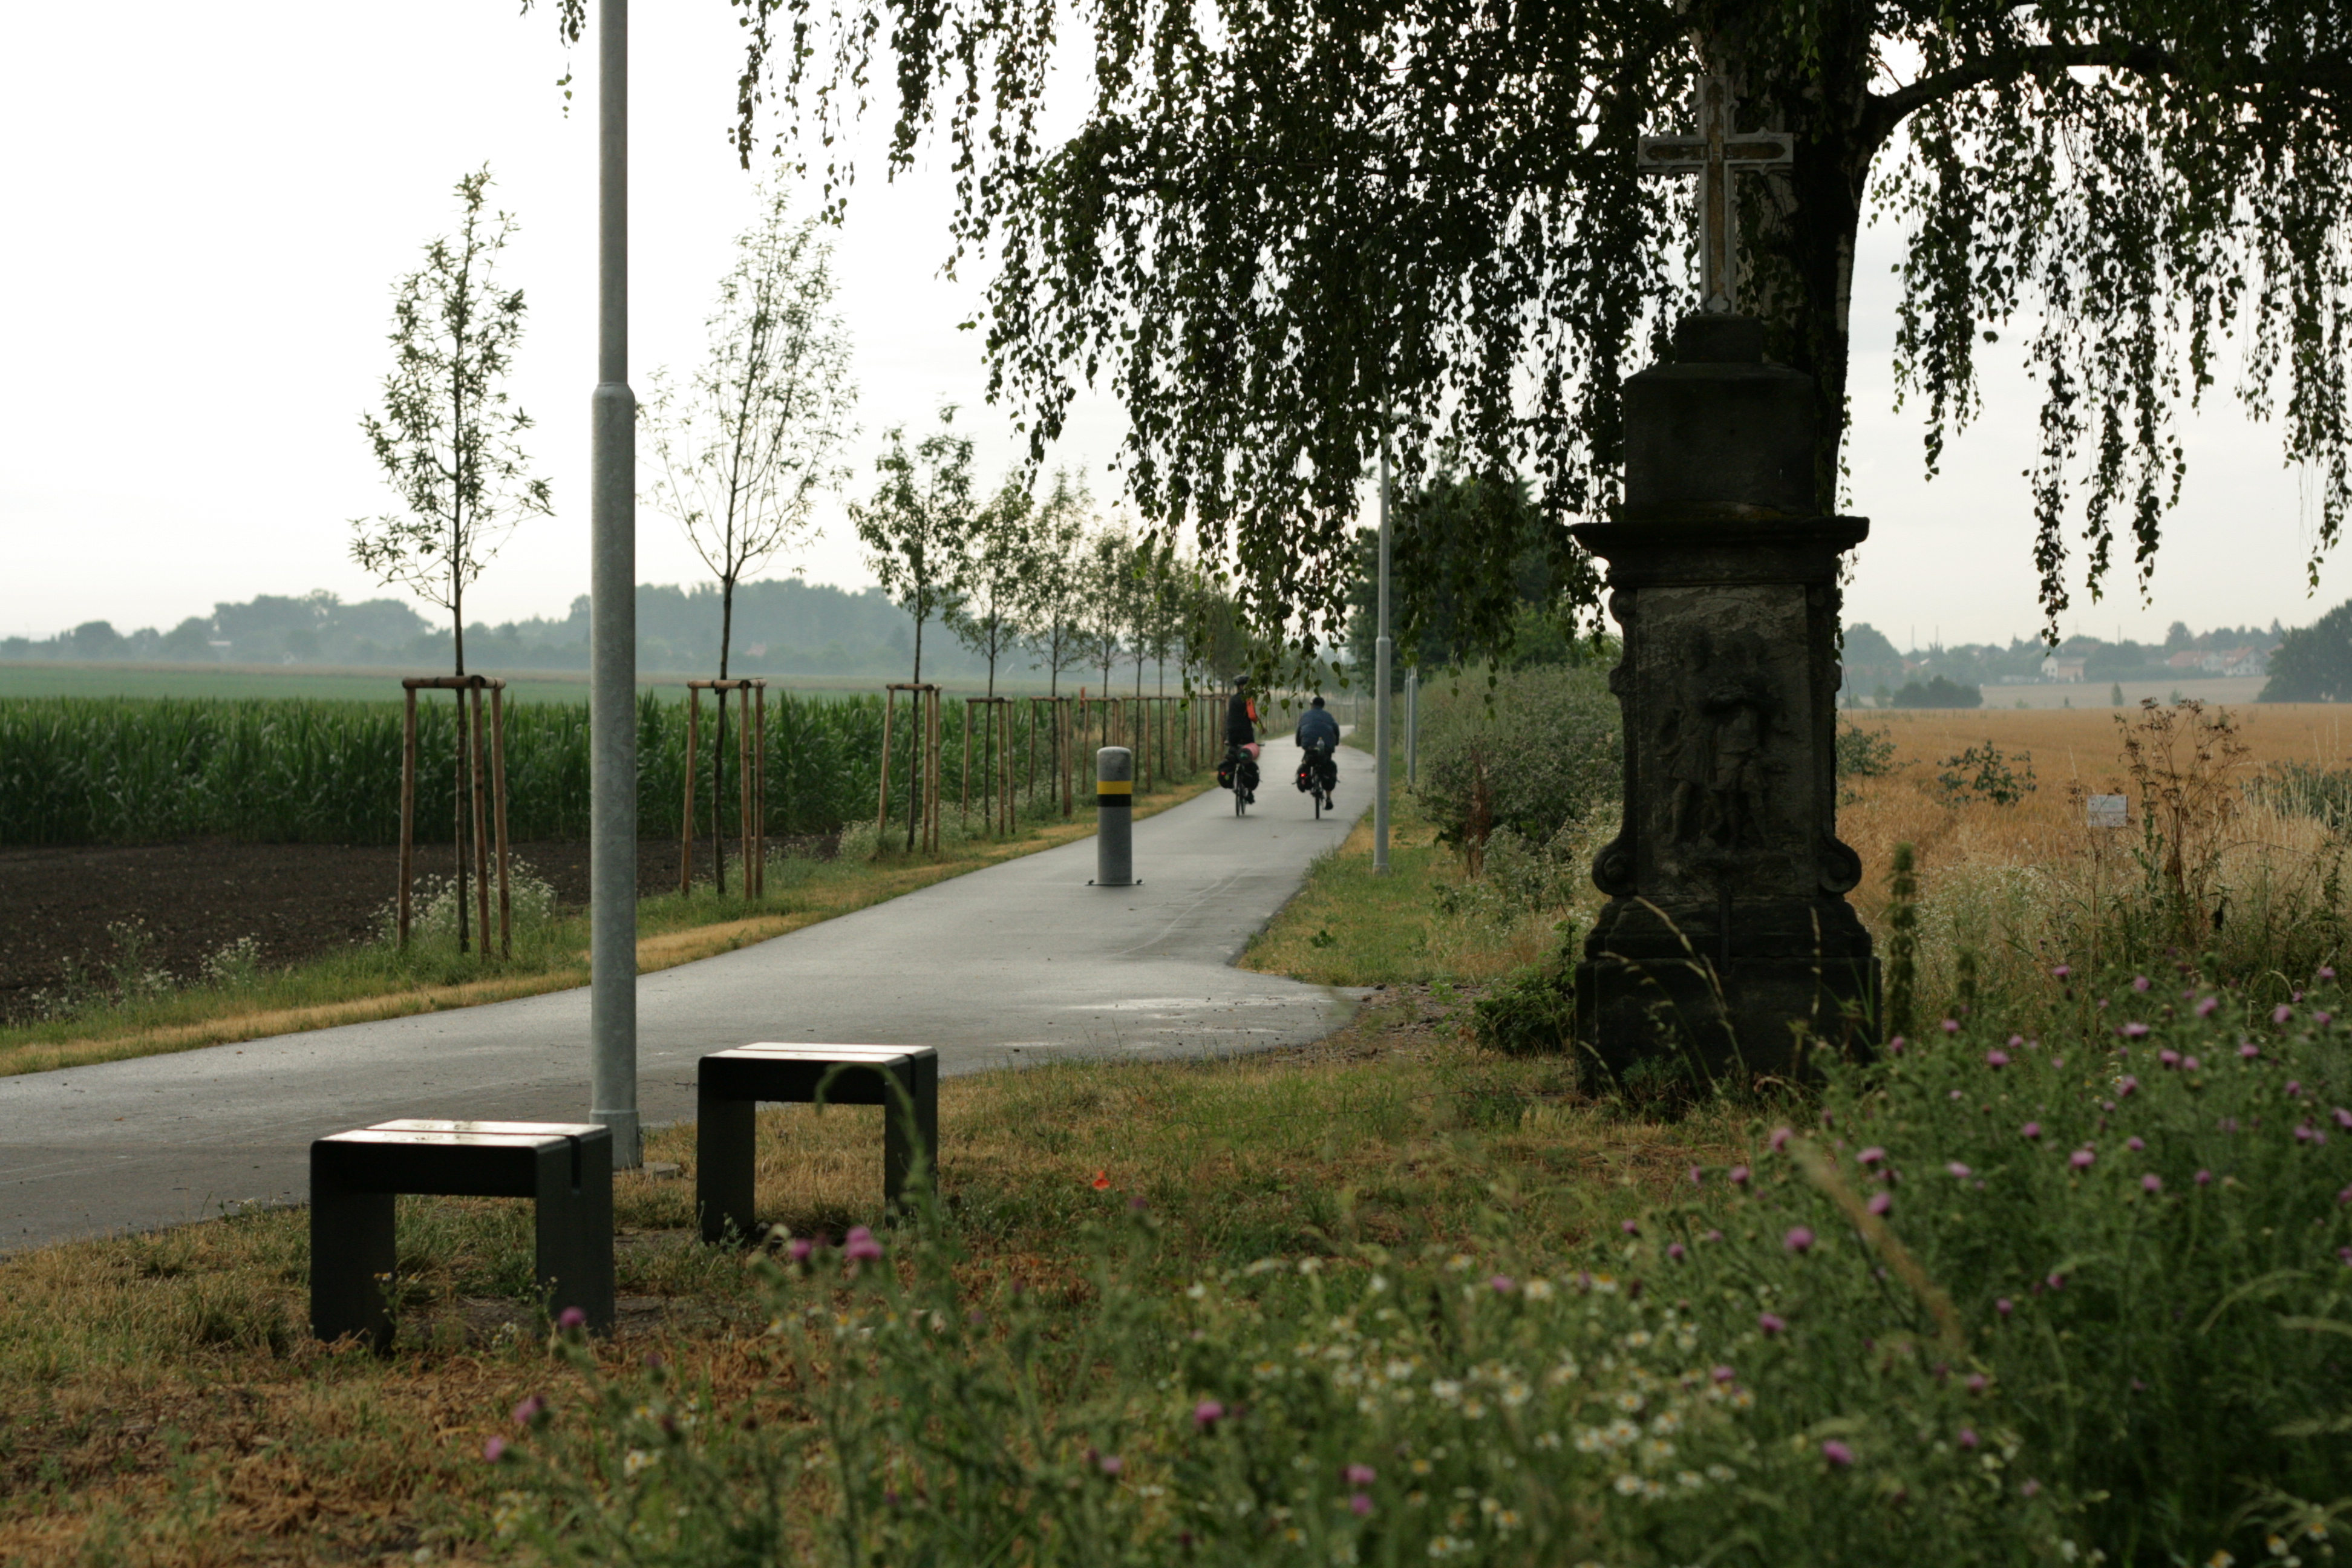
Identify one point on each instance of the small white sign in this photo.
(2105, 810)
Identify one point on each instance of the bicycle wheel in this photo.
(1319, 805)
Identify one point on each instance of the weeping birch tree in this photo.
(1279, 232)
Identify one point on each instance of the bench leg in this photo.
(917, 1092)
(575, 1201)
(724, 1152)
(351, 1258)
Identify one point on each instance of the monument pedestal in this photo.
(1727, 947)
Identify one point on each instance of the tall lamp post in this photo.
(612, 624)
(1380, 655)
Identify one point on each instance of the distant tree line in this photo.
(780, 628)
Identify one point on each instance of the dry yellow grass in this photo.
(2006, 881)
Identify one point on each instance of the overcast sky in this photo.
(210, 207)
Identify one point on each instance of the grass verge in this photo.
(374, 981)
(1426, 923)
(163, 1402)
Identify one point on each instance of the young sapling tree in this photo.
(914, 531)
(449, 440)
(745, 448)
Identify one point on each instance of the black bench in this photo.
(566, 1167)
(730, 1085)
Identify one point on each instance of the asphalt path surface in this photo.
(1021, 963)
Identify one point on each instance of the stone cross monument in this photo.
(1726, 942)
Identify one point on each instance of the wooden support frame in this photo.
(923, 711)
(485, 773)
(751, 785)
(1057, 728)
(996, 759)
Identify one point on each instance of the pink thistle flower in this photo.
(1967, 1438)
(1780, 1139)
(2168, 1057)
(2140, 983)
(1739, 1177)
(1675, 1251)
(1361, 1475)
(1770, 1322)
(2061, 971)
(1698, 1177)
(2126, 1086)
(1800, 1238)
(2306, 1132)
(571, 1318)
(861, 1247)
(1996, 1058)
(1722, 1374)
(1630, 1228)
(1111, 1464)
(2191, 1064)
(2325, 972)
(2248, 1050)
(1503, 1284)
(1870, 1156)
(1880, 1203)
(2004, 1305)
(1978, 1383)
(1837, 1453)
(2343, 1118)
(1712, 1236)
(2343, 1255)
(2294, 1088)
(2204, 1178)
(529, 1410)
(1360, 1504)
(2208, 1007)
(801, 1249)
(2030, 1132)
(1951, 1026)
(1207, 1414)
(2133, 1031)
(1959, 1170)
(494, 1450)
(2056, 1282)
(2343, 1197)
(2081, 1159)
(1895, 1046)
(2134, 1144)
(2282, 1014)
(2151, 1183)
(2323, 1019)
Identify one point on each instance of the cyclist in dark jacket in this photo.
(1239, 773)
(1319, 737)
(1240, 718)
(1317, 727)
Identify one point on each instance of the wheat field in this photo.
(2032, 882)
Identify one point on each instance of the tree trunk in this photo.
(915, 753)
(1797, 273)
(718, 741)
(457, 793)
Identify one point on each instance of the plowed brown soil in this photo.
(296, 901)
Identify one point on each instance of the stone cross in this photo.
(1715, 154)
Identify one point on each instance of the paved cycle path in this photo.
(1022, 962)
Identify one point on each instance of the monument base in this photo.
(1707, 993)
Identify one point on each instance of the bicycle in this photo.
(1317, 773)
(1238, 772)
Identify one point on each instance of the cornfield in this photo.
(130, 770)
